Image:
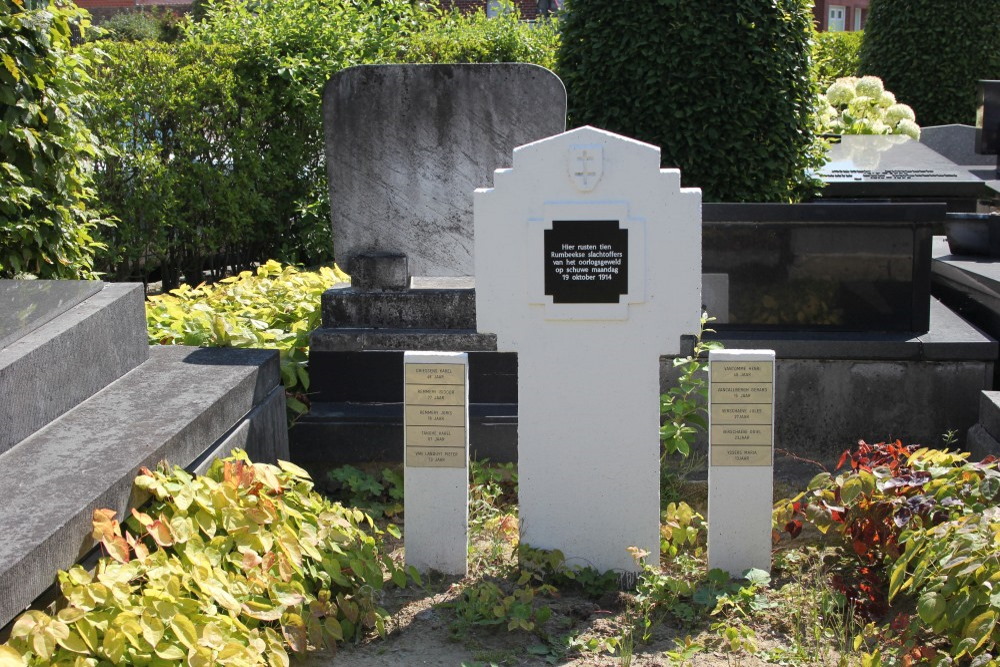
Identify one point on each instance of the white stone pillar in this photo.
(741, 459)
(436, 461)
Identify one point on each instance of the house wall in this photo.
(821, 12)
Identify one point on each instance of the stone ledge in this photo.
(329, 339)
(404, 309)
(53, 368)
(176, 406)
(950, 338)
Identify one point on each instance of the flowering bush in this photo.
(854, 105)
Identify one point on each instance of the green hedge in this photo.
(199, 179)
(931, 57)
(48, 212)
(723, 88)
(836, 55)
(453, 37)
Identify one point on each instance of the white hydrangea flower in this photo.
(870, 86)
(908, 128)
(886, 100)
(898, 112)
(878, 127)
(861, 106)
(840, 93)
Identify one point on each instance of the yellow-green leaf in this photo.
(11, 658)
(11, 67)
(170, 652)
(73, 642)
(185, 630)
(980, 627)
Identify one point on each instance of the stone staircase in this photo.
(85, 402)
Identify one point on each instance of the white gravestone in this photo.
(436, 460)
(741, 459)
(588, 265)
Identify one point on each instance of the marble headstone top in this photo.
(407, 145)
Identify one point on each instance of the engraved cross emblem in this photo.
(586, 165)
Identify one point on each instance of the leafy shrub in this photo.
(233, 567)
(931, 61)
(454, 37)
(885, 506)
(139, 26)
(205, 174)
(724, 89)
(378, 496)
(864, 106)
(48, 211)
(951, 570)
(835, 55)
(275, 308)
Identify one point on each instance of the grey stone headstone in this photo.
(407, 145)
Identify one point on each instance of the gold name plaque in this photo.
(741, 411)
(435, 415)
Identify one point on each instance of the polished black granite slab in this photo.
(832, 267)
(26, 305)
(893, 166)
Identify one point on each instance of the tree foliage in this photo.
(724, 89)
(930, 59)
(836, 55)
(47, 203)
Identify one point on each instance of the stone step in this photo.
(184, 405)
(64, 341)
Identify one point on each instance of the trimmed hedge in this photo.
(724, 89)
(932, 58)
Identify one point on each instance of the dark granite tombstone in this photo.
(897, 168)
(821, 267)
(988, 120)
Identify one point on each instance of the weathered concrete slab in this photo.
(407, 145)
(61, 362)
(178, 405)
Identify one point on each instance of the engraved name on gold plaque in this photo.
(435, 457)
(742, 392)
(741, 456)
(435, 394)
(434, 414)
(731, 413)
(434, 374)
(742, 371)
(742, 434)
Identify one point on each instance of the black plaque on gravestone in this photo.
(586, 261)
